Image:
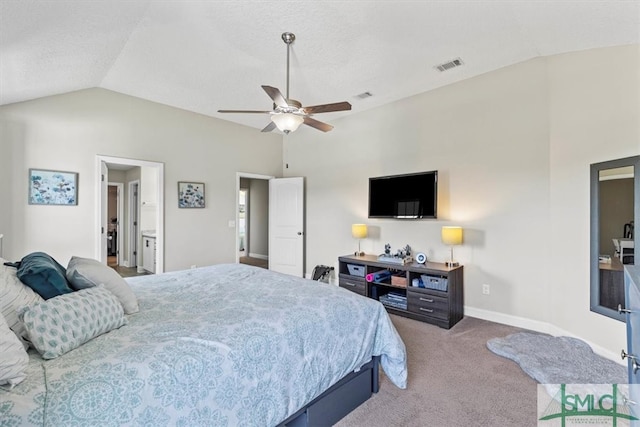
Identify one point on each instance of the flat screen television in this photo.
(409, 196)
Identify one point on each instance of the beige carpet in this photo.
(454, 381)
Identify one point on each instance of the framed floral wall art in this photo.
(51, 187)
(190, 194)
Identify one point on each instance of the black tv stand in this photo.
(440, 302)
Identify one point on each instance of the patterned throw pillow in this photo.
(65, 322)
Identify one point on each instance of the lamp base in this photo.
(356, 253)
(452, 264)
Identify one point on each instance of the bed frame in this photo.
(340, 399)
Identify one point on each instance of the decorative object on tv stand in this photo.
(402, 256)
(421, 258)
(452, 235)
(359, 231)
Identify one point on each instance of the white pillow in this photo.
(14, 360)
(13, 295)
(65, 322)
(83, 273)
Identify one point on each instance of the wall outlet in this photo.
(194, 266)
(486, 289)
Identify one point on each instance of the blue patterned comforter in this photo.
(225, 345)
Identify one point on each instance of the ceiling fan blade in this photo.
(268, 128)
(275, 94)
(327, 108)
(244, 111)
(324, 127)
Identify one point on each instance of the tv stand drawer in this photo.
(353, 284)
(428, 305)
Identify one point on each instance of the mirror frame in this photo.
(595, 228)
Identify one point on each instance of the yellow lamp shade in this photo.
(359, 231)
(452, 235)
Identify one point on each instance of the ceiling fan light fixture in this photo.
(287, 122)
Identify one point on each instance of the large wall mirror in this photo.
(615, 209)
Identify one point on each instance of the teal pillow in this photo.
(44, 275)
(63, 323)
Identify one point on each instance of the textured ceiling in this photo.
(208, 55)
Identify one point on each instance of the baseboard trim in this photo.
(538, 326)
(259, 256)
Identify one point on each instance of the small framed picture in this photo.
(50, 187)
(190, 194)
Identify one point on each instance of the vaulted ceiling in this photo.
(208, 55)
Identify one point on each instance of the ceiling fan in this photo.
(288, 114)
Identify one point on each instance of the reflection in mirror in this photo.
(614, 211)
(616, 232)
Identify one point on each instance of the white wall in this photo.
(67, 132)
(149, 198)
(513, 149)
(594, 112)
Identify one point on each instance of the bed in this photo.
(224, 345)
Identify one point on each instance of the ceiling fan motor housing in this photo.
(288, 38)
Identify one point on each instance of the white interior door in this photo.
(104, 205)
(286, 225)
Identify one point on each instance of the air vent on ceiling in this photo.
(449, 65)
(364, 95)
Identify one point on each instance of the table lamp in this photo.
(452, 236)
(359, 231)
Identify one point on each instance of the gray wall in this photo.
(259, 217)
(67, 132)
(513, 149)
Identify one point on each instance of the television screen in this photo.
(404, 196)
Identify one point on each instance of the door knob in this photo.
(626, 355)
(623, 310)
(299, 233)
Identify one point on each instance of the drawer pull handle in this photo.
(622, 310)
(426, 299)
(349, 284)
(428, 310)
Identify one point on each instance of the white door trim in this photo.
(238, 176)
(134, 237)
(159, 210)
(120, 206)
